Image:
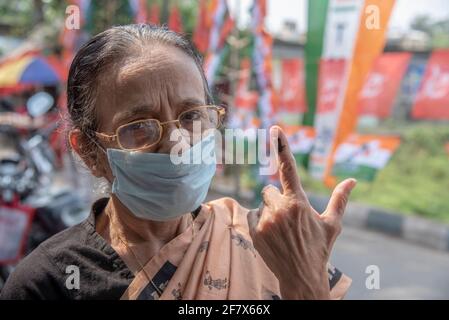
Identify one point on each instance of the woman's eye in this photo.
(137, 125)
(192, 116)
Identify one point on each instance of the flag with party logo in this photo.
(379, 91)
(343, 19)
(245, 97)
(362, 156)
(432, 100)
(330, 85)
(290, 101)
(355, 33)
(300, 139)
(244, 112)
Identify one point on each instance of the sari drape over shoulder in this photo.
(214, 259)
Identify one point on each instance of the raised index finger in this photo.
(286, 163)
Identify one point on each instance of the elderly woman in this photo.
(131, 87)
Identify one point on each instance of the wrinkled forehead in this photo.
(159, 78)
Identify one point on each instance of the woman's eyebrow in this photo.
(120, 117)
(128, 113)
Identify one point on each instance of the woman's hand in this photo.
(292, 238)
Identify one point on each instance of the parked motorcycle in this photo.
(32, 209)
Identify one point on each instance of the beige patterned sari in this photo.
(214, 259)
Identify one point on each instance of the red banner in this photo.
(244, 98)
(201, 33)
(331, 76)
(292, 93)
(175, 20)
(382, 84)
(432, 100)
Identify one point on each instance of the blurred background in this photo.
(360, 86)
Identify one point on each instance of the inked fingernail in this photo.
(352, 184)
(280, 146)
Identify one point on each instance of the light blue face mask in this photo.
(153, 187)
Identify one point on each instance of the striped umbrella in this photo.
(28, 70)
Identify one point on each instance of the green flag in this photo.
(317, 10)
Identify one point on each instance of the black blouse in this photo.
(44, 272)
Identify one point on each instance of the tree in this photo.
(19, 17)
(422, 23)
(437, 30)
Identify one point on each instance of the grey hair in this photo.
(105, 49)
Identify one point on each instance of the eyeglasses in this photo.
(142, 134)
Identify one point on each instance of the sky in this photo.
(296, 10)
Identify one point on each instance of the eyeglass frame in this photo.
(114, 137)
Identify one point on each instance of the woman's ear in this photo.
(79, 143)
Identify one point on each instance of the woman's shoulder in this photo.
(66, 241)
(76, 263)
(38, 275)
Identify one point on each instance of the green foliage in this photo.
(415, 181)
(104, 14)
(189, 12)
(22, 16)
(115, 12)
(436, 30)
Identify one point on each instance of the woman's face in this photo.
(157, 83)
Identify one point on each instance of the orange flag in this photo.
(369, 44)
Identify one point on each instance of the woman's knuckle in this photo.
(288, 169)
(342, 196)
(335, 227)
(265, 226)
(295, 206)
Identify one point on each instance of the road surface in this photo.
(406, 271)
